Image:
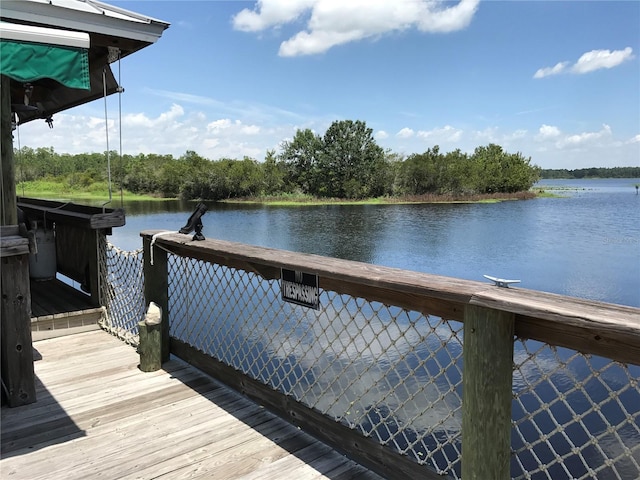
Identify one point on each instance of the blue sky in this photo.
(558, 81)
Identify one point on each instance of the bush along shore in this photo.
(344, 163)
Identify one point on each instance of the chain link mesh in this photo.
(574, 416)
(392, 374)
(122, 291)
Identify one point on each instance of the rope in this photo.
(106, 128)
(120, 92)
(153, 242)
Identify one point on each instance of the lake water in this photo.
(586, 244)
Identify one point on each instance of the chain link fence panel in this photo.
(391, 374)
(574, 416)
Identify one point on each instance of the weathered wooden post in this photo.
(8, 209)
(150, 336)
(15, 319)
(156, 286)
(487, 393)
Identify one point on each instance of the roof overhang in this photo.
(113, 33)
(107, 25)
(49, 36)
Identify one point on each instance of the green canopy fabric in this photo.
(29, 62)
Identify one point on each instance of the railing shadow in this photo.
(37, 425)
(283, 434)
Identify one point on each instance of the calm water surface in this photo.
(586, 244)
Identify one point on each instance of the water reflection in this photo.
(585, 245)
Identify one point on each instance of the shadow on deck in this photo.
(97, 414)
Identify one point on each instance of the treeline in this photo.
(593, 172)
(345, 162)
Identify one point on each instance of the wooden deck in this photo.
(98, 416)
(51, 297)
(57, 309)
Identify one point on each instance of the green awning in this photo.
(29, 62)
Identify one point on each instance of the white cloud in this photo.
(332, 22)
(553, 137)
(405, 133)
(548, 131)
(597, 59)
(217, 125)
(518, 134)
(381, 135)
(250, 129)
(443, 134)
(635, 139)
(548, 71)
(173, 131)
(488, 135)
(270, 13)
(588, 62)
(163, 120)
(580, 139)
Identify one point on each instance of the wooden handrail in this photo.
(83, 215)
(598, 328)
(491, 315)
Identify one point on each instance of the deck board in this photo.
(49, 297)
(99, 416)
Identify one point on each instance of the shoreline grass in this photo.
(94, 193)
(306, 200)
(98, 192)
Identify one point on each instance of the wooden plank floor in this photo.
(99, 416)
(49, 297)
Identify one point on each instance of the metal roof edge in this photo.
(125, 12)
(137, 27)
(49, 36)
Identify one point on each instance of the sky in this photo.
(557, 81)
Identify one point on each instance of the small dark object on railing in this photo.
(195, 222)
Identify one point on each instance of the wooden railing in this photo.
(492, 317)
(79, 231)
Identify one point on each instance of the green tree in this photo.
(419, 173)
(170, 178)
(145, 173)
(301, 156)
(500, 172)
(350, 161)
(273, 173)
(245, 177)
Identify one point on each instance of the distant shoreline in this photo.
(292, 200)
(405, 200)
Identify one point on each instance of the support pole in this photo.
(8, 208)
(156, 287)
(487, 393)
(18, 377)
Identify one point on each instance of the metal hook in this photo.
(28, 90)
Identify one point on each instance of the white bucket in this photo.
(42, 265)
